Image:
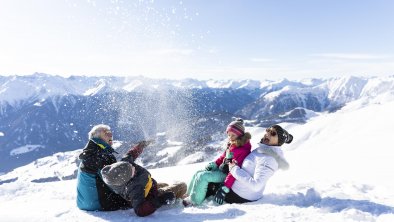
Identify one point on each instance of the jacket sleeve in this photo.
(141, 206)
(145, 208)
(219, 160)
(263, 171)
(239, 157)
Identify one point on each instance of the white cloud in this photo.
(350, 56)
(261, 60)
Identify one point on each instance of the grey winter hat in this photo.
(117, 173)
(283, 135)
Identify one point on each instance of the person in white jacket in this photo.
(259, 166)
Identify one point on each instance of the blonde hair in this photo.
(240, 141)
(96, 131)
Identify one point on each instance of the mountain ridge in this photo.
(54, 114)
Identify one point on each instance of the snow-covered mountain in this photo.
(339, 171)
(43, 114)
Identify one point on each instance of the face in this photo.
(270, 137)
(106, 135)
(232, 137)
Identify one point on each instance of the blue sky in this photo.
(204, 39)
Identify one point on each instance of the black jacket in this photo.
(93, 159)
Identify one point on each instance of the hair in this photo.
(97, 129)
(240, 141)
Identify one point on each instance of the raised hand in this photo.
(136, 150)
(145, 143)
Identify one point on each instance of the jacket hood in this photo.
(276, 152)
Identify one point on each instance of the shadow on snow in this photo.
(313, 199)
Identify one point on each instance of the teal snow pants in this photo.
(198, 185)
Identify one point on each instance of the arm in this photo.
(145, 208)
(238, 158)
(135, 151)
(263, 171)
(219, 160)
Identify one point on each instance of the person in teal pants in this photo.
(238, 147)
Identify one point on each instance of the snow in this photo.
(93, 91)
(170, 151)
(38, 87)
(1, 133)
(234, 84)
(174, 143)
(192, 158)
(132, 85)
(340, 170)
(24, 149)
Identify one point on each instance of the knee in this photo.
(203, 177)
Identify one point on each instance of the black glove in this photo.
(221, 194)
(224, 166)
(167, 198)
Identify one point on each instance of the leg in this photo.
(213, 188)
(202, 179)
(232, 197)
(161, 185)
(192, 181)
(178, 188)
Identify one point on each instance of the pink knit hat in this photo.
(236, 127)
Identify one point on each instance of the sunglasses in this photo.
(271, 132)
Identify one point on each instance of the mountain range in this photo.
(44, 114)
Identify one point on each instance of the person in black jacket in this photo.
(92, 192)
(135, 184)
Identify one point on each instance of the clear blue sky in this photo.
(204, 39)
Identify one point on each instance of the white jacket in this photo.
(256, 169)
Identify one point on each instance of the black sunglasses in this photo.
(271, 132)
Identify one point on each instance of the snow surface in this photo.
(340, 170)
(24, 149)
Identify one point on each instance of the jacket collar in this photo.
(276, 152)
(102, 144)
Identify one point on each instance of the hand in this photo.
(167, 198)
(232, 164)
(145, 143)
(210, 166)
(136, 150)
(221, 194)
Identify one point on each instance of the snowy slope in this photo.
(340, 170)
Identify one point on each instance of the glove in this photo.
(167, 198)
(145, 143)
(228, 158)
(136, 150)
(211, 166)
(221, 194)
